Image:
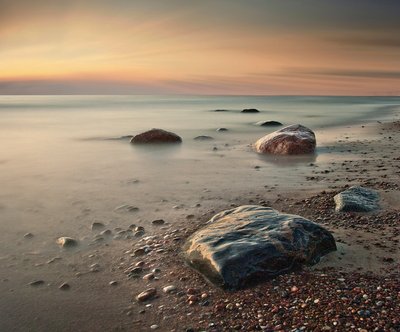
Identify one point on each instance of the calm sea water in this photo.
(59, 170)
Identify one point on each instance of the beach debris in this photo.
(255, 242)
(156, 136)
(357, 199)
(291, 140)
(250, 110)
(146, 295)
(67, 242)
(268, 123)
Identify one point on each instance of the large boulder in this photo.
(357, 199)
(156, 136)
(294, 139)
(253, 243)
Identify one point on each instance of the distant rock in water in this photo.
(222, 129)
(203, 138)
(250, 110)
(357, 199)
(291, 140)
(253, 243)
(220, 110)
(67, 242)
(156, 136)
(268, 123)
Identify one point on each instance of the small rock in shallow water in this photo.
(67, 242)
(28, 236)
(96, 226)
(36, 283)
(64, 286)
(146, 295)
(106, 232)
(158, 222)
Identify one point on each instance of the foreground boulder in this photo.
(357, 199)
(156, 136)
(253, 243)
(294, 139)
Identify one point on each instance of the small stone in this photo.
(97, 226)
(28, 236)
(294, 289)
(64, 286)
(139, 252)
(149, 276)
(106, 232)
(169, 289)
(36, 283)
(113, 283)
(67, 242)
(158, 222)
(154, 327)
(146, 295)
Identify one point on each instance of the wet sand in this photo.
(355, 288)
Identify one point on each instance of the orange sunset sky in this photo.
(271, 47)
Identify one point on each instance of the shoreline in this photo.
(367, 260)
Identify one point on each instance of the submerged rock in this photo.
(250, 110)
(268, 123)
(294, 139)
(203, 138)
(253, 243)
(357, 199)
(67, 242)
(156, 136)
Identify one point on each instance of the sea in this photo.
(65, 161)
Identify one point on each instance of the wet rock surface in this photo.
(291, 140)
(156, 136)
(357, 199)
(250, 110)
(67, 242)
(268, 123)
(252, 243)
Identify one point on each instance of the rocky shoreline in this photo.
(353, 289)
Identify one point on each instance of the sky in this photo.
(210, 47)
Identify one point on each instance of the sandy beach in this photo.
(355, 288)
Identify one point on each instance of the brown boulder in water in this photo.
(254, 243)
(156, 136)
(294, 139)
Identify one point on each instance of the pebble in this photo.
(139, 252)
(169, 289)
(113, 283)
(28, 236)
(106, 232)
(96, 226)
(158, 222)
(67, 242)
(154, 327)
(149, 276)
(146, 295)
(64, 286)
(36, 283)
